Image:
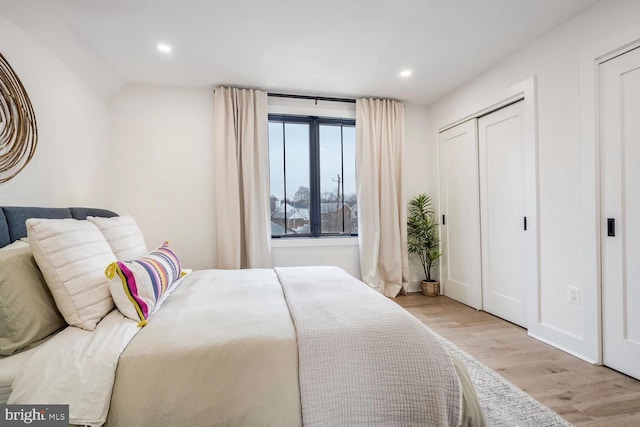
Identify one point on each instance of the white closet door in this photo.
(504, 164)
(460, 265)
(620, 211)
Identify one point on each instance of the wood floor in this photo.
(584, 394)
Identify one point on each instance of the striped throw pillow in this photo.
(138, 285)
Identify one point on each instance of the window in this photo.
(313, 179)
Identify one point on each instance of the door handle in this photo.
(611, 227)
(525, 223)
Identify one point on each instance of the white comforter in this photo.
(221, 351)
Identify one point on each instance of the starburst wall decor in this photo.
(18, 131)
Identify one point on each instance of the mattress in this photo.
(9, 368)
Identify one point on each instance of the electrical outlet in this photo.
(573, 295)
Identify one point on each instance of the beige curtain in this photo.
(382, 216)
(241, 178)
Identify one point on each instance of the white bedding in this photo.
(354, 347)
(221, 351)
(10, 366)
(76, 367)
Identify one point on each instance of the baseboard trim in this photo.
(563, 348)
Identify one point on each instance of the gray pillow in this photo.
(27, 310)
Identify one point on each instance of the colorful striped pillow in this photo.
(138, 285)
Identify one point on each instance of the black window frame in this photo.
(315, 214)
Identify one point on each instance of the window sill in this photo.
(300, 242)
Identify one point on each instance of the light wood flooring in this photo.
(584, 394)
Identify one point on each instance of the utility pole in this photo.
(338, 205)
(339, 181)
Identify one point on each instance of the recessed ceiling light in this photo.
(164, 48)
(405, 73)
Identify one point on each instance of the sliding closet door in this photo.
(459, 208)
(620, 211)
(507, 239)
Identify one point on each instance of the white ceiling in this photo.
(323, 47)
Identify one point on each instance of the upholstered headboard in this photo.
(13, 218)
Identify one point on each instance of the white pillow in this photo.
(123, 235)
(72, 256)
(18, 244)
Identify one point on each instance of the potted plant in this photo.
(423, 240)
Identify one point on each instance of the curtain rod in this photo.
(316, 98)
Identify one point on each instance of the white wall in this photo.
(340, 251)
(555, 62)
(419, 165)
(68, 167)
(161, 167)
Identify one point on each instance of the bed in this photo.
(280, 347)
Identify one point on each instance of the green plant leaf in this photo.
(422, 233)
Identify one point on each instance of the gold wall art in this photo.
(18, 131)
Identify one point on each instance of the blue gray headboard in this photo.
(13, 218)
